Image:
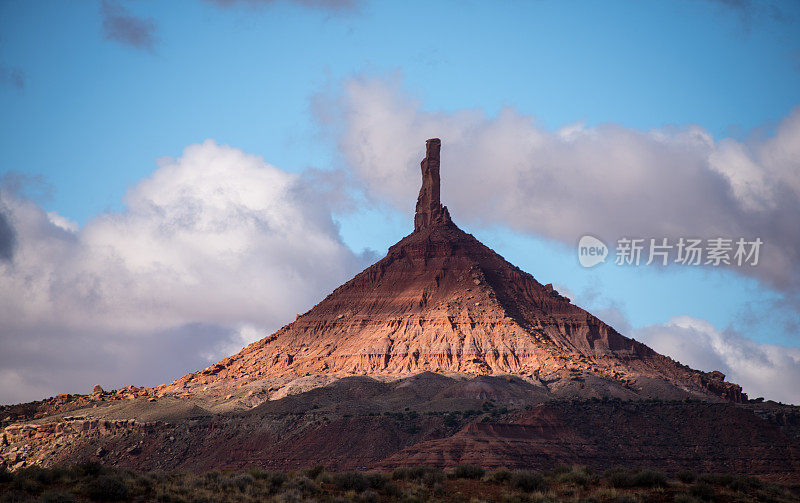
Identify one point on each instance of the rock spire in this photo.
(429, 207)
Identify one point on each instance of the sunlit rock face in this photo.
(441, 301)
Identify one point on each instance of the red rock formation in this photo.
(442, 301)
(429, 207)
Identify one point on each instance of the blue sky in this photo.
(94, 115)
(90, 114)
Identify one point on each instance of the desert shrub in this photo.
(275, 479)
(271, 481)
(272, 478)
(605, 494)
(213, 476)
(45, 476)
(23, 481)
(291, 496)
(577, 475)
(715, 479)
(241, 481)
(539, 497)
(512, 498)
(89, 468)
(500, 476)
(451, 420)
(391, 489)
(402, 473)
(528, 481)
(648, 478)
(618, 478)
(419, 472)
(15, 497)
(610, 495)
(303, 484)
(702, 491)
(621, 478)
(33, 473)
(744, 484)
(376, 480)
(468, 472)
(415, 493)
(686, 476)
(256, 472)
(144, 482)
(350, 481)
(314, 471)
(56, 497)
(369, 496)
(432, 477)
(771, 492)
(107, 488)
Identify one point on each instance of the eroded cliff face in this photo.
(441, 301)
(443, 327)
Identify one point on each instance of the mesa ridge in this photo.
(440, 353)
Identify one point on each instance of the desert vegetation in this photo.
(465, 483)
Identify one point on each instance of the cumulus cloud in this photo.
(767, 370)
(18, 388)
(215, 249)
(7, 238)
(605, 180)
(121, 26)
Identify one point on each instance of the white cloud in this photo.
(241, 336)
(217, 242)
(62, 222)
(604, 180)
(767, 370)
(17, 388)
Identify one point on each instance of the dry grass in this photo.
(465, 484)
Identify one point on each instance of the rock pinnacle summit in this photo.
(429, 207)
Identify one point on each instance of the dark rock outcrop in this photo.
(362, 423)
